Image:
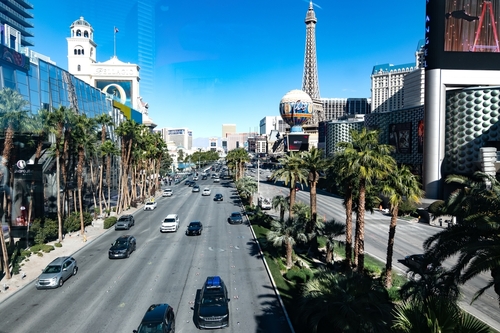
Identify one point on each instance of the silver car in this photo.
(58, 271)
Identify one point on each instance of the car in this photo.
(214, 175)
(212, 306)
(218, 197)
(58, 271)
(125, 222)
(195, 178)
(265, 203)
(167, 192)
(158, 318)
(194, 228)
(235, 218)
(418, 263)
(204, 177)
(216, 180)
(150, 205)
(122, 247)
(206, 191)
(192, 184)
(188, 182)
(170, 223)
(196, 188)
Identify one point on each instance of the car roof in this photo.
(58, 260)
(171, 216)
(234, 213)
(194, 222)
(155, 312)
(124, 237)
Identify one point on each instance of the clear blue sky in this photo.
(231, 61)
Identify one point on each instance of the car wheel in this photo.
(128, 254)
(61, 282)
(75, 270)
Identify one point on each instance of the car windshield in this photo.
(236, 214)
(120, 242)
(169, 220)
(194, 225)
(52, 269)
(155, 327)
(213, 300)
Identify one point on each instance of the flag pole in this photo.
(114, 42)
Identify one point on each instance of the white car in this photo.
(216, 180)
(206, 191)
(195, 178)
(167, 192)
(150, 205)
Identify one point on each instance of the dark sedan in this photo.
(122, 247)
(194, 228)
(218, 197)
(235, 218)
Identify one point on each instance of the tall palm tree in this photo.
(291, 173)
(371, 161)
(247, 187)
(344, 303)
(475, 239)
(287, 232)
(316, 165)
(281, 203)
(238, 157)
(346, 178)
(105, 120)
(399, 185)
(108, 150)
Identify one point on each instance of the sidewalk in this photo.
(32, 267)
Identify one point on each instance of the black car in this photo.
(122, 247)
(194, 228)
(158, 318)
(235, 218)
(203, 177)
(192, 184)
(213, 308)
(418, 263)
(125, 222)
(218, 197)
(188, 182)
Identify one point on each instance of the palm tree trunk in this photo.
(292, 201)
(329, 252)
(348, 226)
(79, 177)
(289, 251)
(390, 247)
(5, 255)
(360, 226)
(58, 196)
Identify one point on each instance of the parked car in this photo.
(167, 192)
(150, 205)
(58, 271)
(122, 247)
(170, 223)
(206, 191)
(196, 188)
(213, 307)
(125, 222)
(235, 218)
(194, 228)
(158, 318)
(218, 197)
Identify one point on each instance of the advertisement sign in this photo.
(400, 137)
(297, 142)
(462, 34)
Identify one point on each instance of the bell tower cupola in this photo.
(81, 49)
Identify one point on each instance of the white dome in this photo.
(296, 95)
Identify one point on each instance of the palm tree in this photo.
(247, 187)
(238, 157)
(346, 178)
(399, 185)
(436, 315)
(281, 203)
(475, 239)
(104, 120)
(291, 173)
(108, 150)
(287, 233)
(316, 165)
(371, 161)
(331, 230)
(344, 303)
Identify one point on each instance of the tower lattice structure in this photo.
(310, 83)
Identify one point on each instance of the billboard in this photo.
(462, 34)
(400, 137)
(297, 142)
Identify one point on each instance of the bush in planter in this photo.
(109, 222)
(299, 275)
(50, 229)
(72, 222)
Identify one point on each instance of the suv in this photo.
(167, 192)
(122, 247)
(170, 223)
(158, 318)
(58, 271)
(213, 307)
(124, 222)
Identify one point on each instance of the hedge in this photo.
(109, 222)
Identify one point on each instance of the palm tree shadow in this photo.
(195, 308)
(254, 250)
(272, 317)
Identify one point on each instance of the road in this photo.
(113, 295)
(409, 240)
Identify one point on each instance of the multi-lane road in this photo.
(113, 295)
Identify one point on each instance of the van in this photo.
(170, 223)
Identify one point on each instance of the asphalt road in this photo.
(113, 295)
(409, 240)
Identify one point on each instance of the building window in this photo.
(78, 33)
(79, 68)
(76, 51)
(86, 34)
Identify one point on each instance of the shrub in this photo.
(295, 275)
(50, 229)
(109, 222)
(406, 208)
(58, 244)
(72, 222)
(40, 254)
(40, 236)
(435, 207)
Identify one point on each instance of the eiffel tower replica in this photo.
(310, 83)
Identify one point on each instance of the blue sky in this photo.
(213, 62)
